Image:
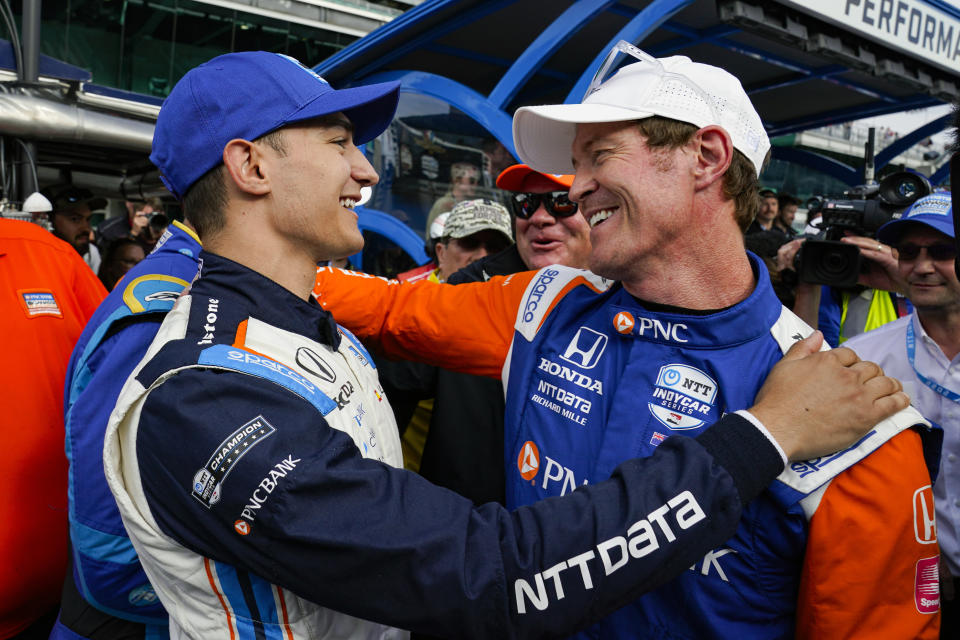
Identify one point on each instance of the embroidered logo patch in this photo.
(39, 302)
(207, 481)
(927, 587)
(683, 397)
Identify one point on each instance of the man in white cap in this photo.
(253, 455)
(666, 155)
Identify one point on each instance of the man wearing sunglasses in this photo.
(923, 351)
(474, 229)
(464, 446)
(666, 155)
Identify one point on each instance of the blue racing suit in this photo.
(105, 565)
(594, 377)
(253, 459)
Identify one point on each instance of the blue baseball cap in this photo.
(935, 211)
(247, 95)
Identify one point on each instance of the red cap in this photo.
(517, 178)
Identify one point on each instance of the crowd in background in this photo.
(452, 424)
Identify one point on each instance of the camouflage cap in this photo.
(470, 216)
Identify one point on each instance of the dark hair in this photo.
(111, 270)
(205, 200)
(786, 199)
(740, 180)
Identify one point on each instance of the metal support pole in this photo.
(30, 37)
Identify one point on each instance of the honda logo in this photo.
(586, 348)
(924, 518)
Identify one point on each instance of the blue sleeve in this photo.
(105, 565)
(828, 321)
(304, 510)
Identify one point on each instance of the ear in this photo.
(440, 249)
(244, 162)
(714, 154)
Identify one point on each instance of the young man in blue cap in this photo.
(253, 455)
(922, 350)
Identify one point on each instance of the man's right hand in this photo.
(818, 402)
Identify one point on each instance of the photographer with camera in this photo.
(848, 280)
(921, 351)
(145, 222)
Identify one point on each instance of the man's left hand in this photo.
(883, 273)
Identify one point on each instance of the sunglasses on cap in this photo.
(557, 203)
(624, 53)
(937, 252)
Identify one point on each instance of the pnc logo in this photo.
(529, 460)
(924, 520)
(242, 527)
(623, 322)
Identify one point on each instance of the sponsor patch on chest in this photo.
(682, 397)
(39, 302)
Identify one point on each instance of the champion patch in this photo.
(39, 302)
(683, 397)
(207, 481)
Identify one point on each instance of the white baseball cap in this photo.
(674, 87)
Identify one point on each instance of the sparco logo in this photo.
(310, 362)
(682, 511)
(924, 523)
(536, 293)
(577, 378)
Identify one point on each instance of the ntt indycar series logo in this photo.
(536, 293)
(683, 397)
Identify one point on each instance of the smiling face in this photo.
(931, 284)
(636, 200)
(544, 239)
(316, 187)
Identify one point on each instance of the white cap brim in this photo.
(543, 136)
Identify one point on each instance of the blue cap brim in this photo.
(370, 109)
(890, 232)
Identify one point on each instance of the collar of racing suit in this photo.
(265, 299)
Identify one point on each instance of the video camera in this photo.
(863, 210)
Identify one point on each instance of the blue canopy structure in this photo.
(803, 67)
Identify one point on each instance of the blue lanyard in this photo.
(911, 351)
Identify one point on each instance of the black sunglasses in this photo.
(492, 241)
(937, 252)
(557, 203)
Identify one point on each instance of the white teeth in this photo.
(600, 216)
(349, 203)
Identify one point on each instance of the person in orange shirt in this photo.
(47, 294)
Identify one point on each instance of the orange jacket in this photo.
(47, 294)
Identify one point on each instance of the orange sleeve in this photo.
(87, 288)
(870, 569)
(465, 328)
